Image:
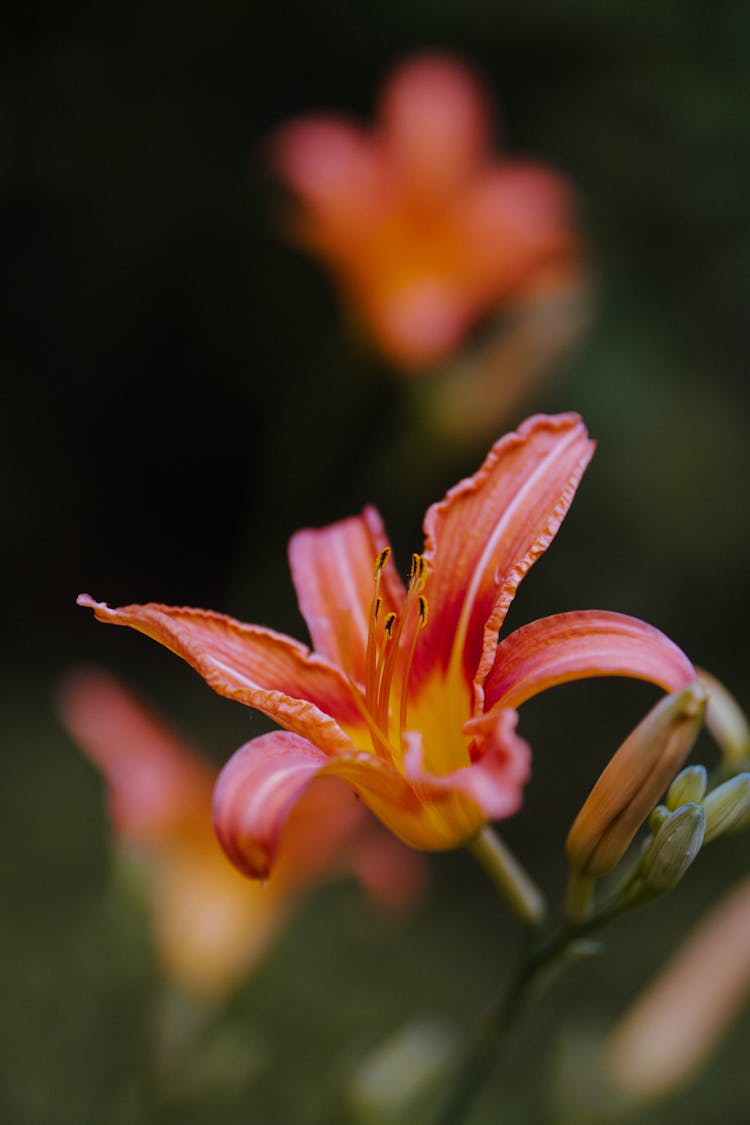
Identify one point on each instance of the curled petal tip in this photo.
(255, 793)
(726, 721)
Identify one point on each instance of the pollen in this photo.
(380, 562)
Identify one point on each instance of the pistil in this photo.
(409, 661)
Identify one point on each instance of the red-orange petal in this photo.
(488, 531)
(489, 789)
(434, 123)
(273, 673)
(255, 793)
(575, 646)
(332, 570)
(264, 781)
(334, 168)
(157, 784)
(515, 220)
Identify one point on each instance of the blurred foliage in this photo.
(181, 392)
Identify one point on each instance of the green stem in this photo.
(544, 957)
(579, 899)
(509, 877)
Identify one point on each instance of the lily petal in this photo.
(488, 789)
(526, 210)
(157, 785)
(332, 570)
(434, 122)
(433, 812)
(253, 665)
(575, 646)
(263, 781)
(392, 874)
(488, 531)
(256, 791)
(334, 167)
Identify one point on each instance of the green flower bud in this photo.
(657, 818)
(689, 786)
(727, 805)
(742, 824)
(674, 848)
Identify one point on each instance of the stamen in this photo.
(379, 743)
(422, 604)
(389, 667)
(382, 658)
(417, 572)
(371, 660)
(380, 562)
(383, 676)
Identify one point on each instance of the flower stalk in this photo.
(511, 879)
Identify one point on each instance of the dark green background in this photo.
(180, 393)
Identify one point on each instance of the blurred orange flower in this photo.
(210, 924)
(424, 231)
(410, 704)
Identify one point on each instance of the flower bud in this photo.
(689, 785)
(727, 805)
(674, 848)
(633, 781)
(726, 721)
(657, 818)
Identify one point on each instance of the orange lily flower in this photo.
(407, 695)
(424, 231)
(210, 924)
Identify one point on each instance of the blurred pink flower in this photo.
(413, 706)
(210, 924)
(423, 229)
(672, 1029)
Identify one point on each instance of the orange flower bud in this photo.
(633, 781)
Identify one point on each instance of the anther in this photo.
(417, 573)
(423, 611)
(382, 559)
(388, 624)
